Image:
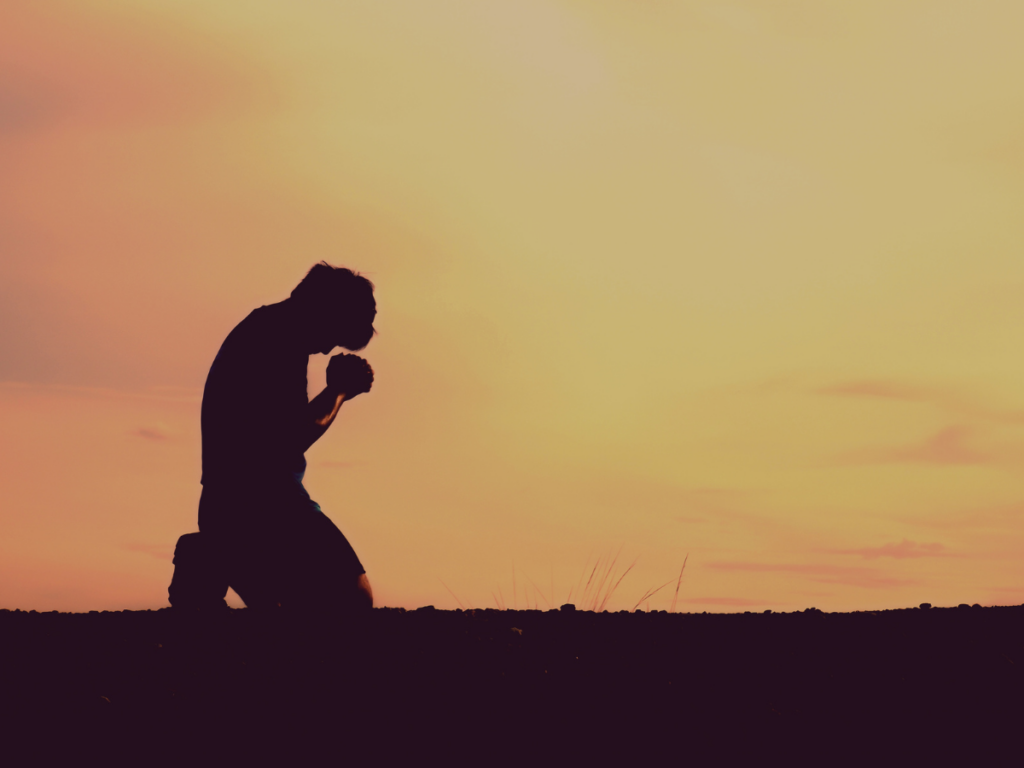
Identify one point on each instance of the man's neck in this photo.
(296, 322)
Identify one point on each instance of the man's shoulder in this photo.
(249, 343)
(264, 325)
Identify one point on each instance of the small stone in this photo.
(963, 605)
(925, 606)
(426, 608)
(567, 608)
(976, 605)
(769, 610)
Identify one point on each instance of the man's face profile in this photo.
(353, 333)
(358, 331)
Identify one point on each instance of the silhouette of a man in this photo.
(260, 532)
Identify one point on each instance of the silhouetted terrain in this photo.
(486, 686)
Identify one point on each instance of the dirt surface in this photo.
(491, 687)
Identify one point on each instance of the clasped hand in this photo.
(350, 374)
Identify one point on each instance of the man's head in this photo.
(339, 305)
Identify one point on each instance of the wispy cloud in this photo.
(724, 506)
(1002, 518)
(27, 104)
(949, 447)
(900, 551)
(706, 502)
(152, 432)
(735, 601)
(886, 390)
(824, 574)
(159, 551)
(943, 399)
(1005, 595)
(160, 394)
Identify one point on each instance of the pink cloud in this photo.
(737, 601)
(947, 448)
(993, 518)
(823, 574)
(710, 499)
(887, 390)
(723, 507)
(151, 433)
(1005, 596)
(949, 401)
(159, 551)
(902, 550)
(103, 69)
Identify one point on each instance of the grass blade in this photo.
(611, 591)
(648, 595)
(675, 597)
(604, 578)
(452, 594)
(515, 593)
(586, 590)
(538, 592)
(579, 584)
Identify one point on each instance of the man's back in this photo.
(254, 403)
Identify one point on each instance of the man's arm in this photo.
(320, 414)
(347, 376)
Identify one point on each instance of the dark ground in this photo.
(524, 687)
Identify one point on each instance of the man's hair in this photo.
(325, 285)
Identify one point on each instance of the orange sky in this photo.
(735, 280)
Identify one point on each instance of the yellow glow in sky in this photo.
(735, 280)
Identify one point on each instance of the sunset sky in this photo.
(742, 281)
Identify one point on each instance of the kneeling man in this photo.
(260, 532)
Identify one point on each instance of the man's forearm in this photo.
(320, 414)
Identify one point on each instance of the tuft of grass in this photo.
(603, 579)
